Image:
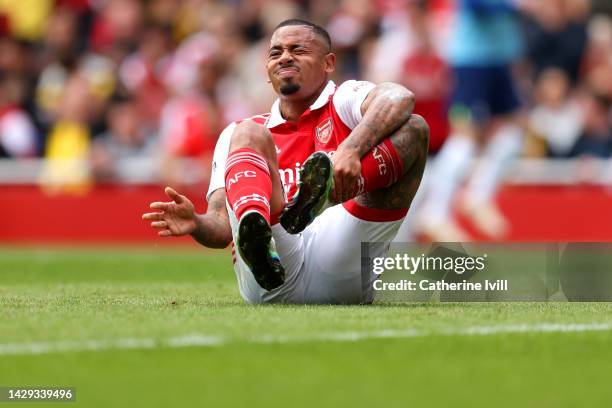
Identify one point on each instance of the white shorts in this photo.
(323, 263)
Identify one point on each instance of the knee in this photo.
(419, 130)
(412, 137)
(252, 135)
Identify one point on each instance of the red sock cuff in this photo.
(246, 155)
(397, 166)
(248, 185)
(380, 168)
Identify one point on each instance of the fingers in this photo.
(161, 206)
(337, 191)
(344, 187)
(176, 197)
(163, 227)
(347, 188)
(158, 205)
(333, 197)
(156, 216)
(159, 224)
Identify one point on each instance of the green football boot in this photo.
(312, 198)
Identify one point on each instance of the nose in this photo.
(286, 57)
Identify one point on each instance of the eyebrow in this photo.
(292, 46)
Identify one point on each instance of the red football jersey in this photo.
(322, 127)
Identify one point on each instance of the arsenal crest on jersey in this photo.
(324, 131)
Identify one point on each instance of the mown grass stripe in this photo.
(197, 340)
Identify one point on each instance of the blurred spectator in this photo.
(124, 139)
(596, 138)
(486, 41)
(189, 18)
(61, 34)
(56, 56)
(190, 126)
(59, 56)
(556, 118)
(186, 68)
(97, 72)
(14, 57)
(17, 132)
(597, 64)
(428, 76)
(68, 148)
(182, 73)
(351, 26)
(142, 73)
(118, 23)
(556, 35)
(26, 18)
(393, 45)
(163, 12)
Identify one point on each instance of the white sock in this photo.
(504, 146)
(448, 172)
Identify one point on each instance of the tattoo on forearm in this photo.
(213, 229)
(388, 108)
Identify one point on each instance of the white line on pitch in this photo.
(197, 340)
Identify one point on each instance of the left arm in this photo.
(387, 107)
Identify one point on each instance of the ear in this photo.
(330, 63)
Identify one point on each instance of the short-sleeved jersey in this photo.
(322, 127)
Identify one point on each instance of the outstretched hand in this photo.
(174, 218)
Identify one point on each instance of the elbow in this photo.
(223, 241)
(215, 243)
(226, 241)
(220, 244)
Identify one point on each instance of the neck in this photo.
(291, 110)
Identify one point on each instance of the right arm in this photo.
(178, 218)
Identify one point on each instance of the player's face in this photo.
(298, 62)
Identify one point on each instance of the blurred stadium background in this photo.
(102, 102)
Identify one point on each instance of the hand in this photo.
(175, 218)
(347, 170)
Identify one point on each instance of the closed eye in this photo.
(276, 52)
(299, 49)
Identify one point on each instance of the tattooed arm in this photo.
(178, 218)
(387, 107)
(213, 228)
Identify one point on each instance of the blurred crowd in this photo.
(102, 80)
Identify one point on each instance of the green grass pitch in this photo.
(297, 356)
